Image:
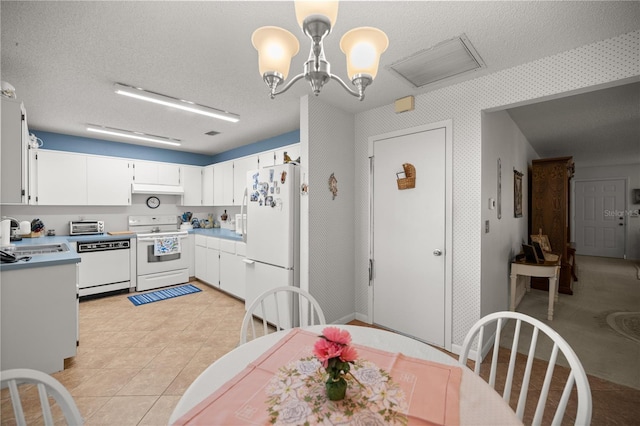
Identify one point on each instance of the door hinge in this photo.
(370, 271)
(23, 192)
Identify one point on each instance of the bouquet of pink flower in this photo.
(333, 350)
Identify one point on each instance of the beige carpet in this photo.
(606, 289)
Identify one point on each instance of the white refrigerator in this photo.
(273, 235)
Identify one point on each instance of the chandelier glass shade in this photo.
(276, 47)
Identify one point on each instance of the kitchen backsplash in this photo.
(115, 217)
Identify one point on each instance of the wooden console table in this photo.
(548, 269)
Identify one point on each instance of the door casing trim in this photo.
(448, 249)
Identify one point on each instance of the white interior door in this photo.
(409, 236)
(600, 217)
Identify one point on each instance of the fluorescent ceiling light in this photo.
(157, 98)
(133, 135)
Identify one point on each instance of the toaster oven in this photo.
(86, 227)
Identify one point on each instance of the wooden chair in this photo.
(47, 386)
(576, 376)
(271, 301)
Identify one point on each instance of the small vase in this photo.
(336, 389)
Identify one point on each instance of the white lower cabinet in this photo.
(200, 257)
(39, 317)
(207, 260)
(218, 262)
(232, 269)
(189, 248)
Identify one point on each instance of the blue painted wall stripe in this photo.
(263, 145)
(62, 142)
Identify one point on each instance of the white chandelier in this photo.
(276, 46)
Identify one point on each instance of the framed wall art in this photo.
(517, 193)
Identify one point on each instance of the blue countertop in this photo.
(71, 256)
(226, 234)
(51, 259)
(40, 260)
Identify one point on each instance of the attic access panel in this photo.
(444, 60)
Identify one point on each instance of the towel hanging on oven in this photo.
(166, 245)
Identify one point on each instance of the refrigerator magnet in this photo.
(271, 175)
(283, 177)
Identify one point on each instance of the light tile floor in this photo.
(134, 363)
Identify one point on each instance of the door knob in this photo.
(437, 252)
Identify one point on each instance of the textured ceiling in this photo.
(596, 128)
(64, 57)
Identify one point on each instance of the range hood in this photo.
(148, 188)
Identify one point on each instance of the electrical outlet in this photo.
(486, 226)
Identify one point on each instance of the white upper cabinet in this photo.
(152, 172)
(207, 186)
(192, 182)
(293, 151)
(276, 157)
(13, 152)
(109, 181)
(58, 178)
(267, 159)
(62, 178)
(223, 183)
(240, 168)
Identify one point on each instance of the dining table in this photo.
(454, 393)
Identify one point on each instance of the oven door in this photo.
(149, 263)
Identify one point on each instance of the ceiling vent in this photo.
(212, 133)
(444, 60)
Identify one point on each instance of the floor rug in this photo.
(626, 323)
(156, 296)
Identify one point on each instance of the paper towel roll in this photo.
(5, 233)
(25, 227)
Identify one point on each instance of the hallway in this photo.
(605, 286)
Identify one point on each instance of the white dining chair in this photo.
(47, 386)
(494, 323)
(271, 301)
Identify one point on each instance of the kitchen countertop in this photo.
(51, 259)
(71, 256)
(227, 234)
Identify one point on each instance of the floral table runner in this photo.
(286, 386)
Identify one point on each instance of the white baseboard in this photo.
(362, 317)
(345, 319)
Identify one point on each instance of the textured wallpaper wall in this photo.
(591, 65)
(326, 137)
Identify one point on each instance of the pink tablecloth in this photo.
(285, 386)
